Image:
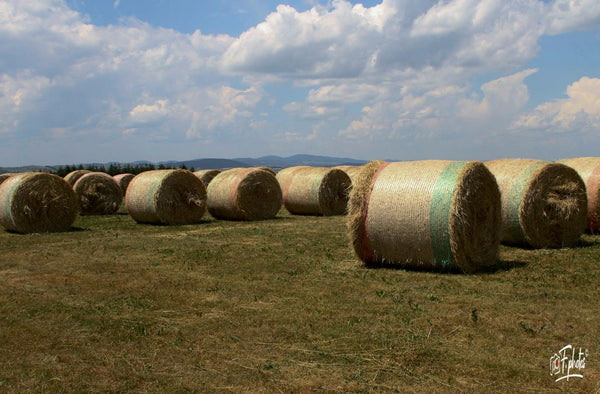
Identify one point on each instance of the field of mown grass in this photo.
(281, 306)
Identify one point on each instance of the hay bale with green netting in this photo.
(171, 197)
(351, 171)
(432, 215)
(98, 194)
(588, 169)
(244, 194)
(123, 181)
(206, 176)
(73, 176)
(37, 203)
(314, 190)
(544, 205)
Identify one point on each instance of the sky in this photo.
(86, 81)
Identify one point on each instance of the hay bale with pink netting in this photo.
(171, 197)
(123, 181)
(98, 194)
(544, 205)
(73, 176)
(314, 190)
(206, 176)
(244, 194)
(588, 169)
(37, 202)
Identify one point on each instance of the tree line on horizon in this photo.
(115, 169)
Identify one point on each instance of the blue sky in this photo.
(126, 80)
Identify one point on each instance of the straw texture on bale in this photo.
(98, 194)
(269, 169)
(544, 205)
(351, 171)
(123, 181)
(37, 203)
(4, 177)
(244, 194)
(433, 215)
(588, 169)
(171, 197)
(314, 190)
(206, 176)
(73, 176)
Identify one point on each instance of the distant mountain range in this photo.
(274, 162)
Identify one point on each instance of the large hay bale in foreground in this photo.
(588, 169)
(244, 194)
(37, 203)
(123, 181)
(314, 190)
(432, 214)
(98, 194)
(170, 197)
(351, 171)
(544, 205)
(206, 176)
(269, 169)
(73, 176)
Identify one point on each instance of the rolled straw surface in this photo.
(166, 197)
(206, 176)
(37, 203)
(314, 190)
(272, 171)
(244, 194)
(433, 214)
(544, 205)
(588, 169)
(98, 194)
(123, 181)
(73, 176)
(4, 177)
(351, 171)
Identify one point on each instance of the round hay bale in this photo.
(544, 205)
(433, 214)
(123, 181)
(37, 202)
(206, 176)
(314, 190)
(171, 197)
(244, 194)
(73, 176)
(588, 169)
(351, 171)
(5, 176)
(98, 194)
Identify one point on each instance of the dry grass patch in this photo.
(280, 305)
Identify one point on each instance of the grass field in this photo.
(281, 306)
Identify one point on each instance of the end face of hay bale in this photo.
(123, 181)
(206, 176)
(37, 203)
(351, 171)
(544, 205)
(314, 190)
(171, 197)
(588, 169)
(426, 215)
(73, 176)
(244, 194)
(98, 194)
